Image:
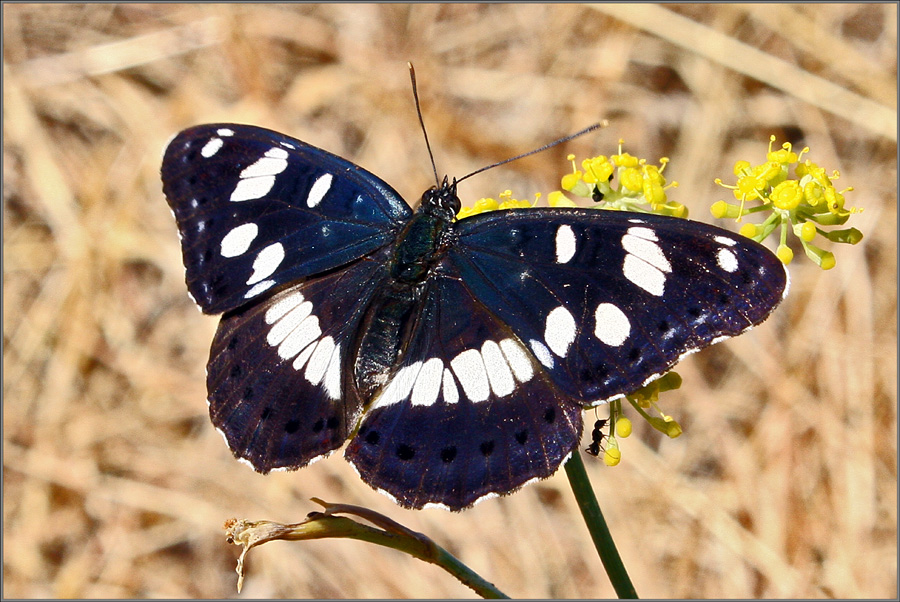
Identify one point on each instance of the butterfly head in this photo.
(441, 200)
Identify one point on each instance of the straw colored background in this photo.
(115, 483)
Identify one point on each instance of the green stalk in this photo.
(593, 518)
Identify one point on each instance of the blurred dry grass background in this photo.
(116, 485)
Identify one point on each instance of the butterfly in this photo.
(456, 356)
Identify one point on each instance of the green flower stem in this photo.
(590, 510)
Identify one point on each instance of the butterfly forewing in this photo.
(280, 371)
(257, 210)
(607, 300)
(468, 412)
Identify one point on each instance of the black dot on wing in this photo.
(724, 299)
(663, 326)
(448, 454)
(550, 415)
(265, 413)
(372, 438)
(232, 343)
(235, 371)
(487, 448)
(333, 422)
(248, 396)
(522, 437)
(405, 452)
(694, 312)
(318, 425)
(291, 426)
(634, 354)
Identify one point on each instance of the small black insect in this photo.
(597, 436)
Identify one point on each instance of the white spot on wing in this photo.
(301, 336)
(645, 233)
(565, 243)
(259, 178)
(428, 383)
(212, 147)
(612, 325)
(399, 387)
(469, 369)
(252, 188)
(267, 262)
(518, 360)
(541, 353)
(303, 357)
(725, 240)
(499, 374)
(644, 275)
(238, 240)
(559, 331)
(318, 190)
(318, 363)
(225, 132)
(332, 382)
(727, 260)
(647, 250)
(282, 307)
(287, 324)
(450, 391)
(259, 288)
(271, 164)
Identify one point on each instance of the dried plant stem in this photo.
(389, 533)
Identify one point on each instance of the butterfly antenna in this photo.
(586, 130)
(412, 76)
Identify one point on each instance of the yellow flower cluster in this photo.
(639, 184)
(488, 204)
(640, 187)
(801, 201)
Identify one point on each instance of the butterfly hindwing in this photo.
(280, 370)
(607, 300)
(257, 210)
(468, 411)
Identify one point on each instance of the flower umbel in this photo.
(621, 182)
(799, 196)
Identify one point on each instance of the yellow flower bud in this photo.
(785, 254)
(749, 230)
(808, 231)
(612, 456)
